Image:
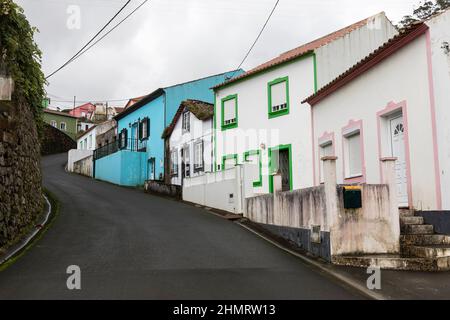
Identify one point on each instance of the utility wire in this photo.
(92, 39)
(257, 38)
(118, 24)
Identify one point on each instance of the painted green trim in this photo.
(228, 157)
(272, 169)
(274, 114)
(315, 72)
(258, 153)
(283, 64)
(231, 125)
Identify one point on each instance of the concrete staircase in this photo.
(420, 249)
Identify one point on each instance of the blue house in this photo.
(138, 154)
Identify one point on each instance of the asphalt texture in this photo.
(131, 245)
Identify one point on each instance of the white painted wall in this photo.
(199, 130)
(75, 155)
(439, 34)
(88, 140)
(255, 127)
(395, 79)
(338, 56)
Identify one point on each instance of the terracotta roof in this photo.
(132, 101)
(201, 110)
(300, 51)
(59, 113)
(119, 109)
(404, 37)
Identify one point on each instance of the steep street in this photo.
(129, 244)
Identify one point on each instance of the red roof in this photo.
(133, 101)
(300, 51)
(403, 38)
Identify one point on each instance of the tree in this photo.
(424, 11)
(20, 57)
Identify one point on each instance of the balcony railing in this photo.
(135, 145)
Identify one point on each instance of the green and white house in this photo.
(259, 116)
(62, 121)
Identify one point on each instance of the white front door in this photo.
(398, 150)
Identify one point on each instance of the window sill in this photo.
(229, 126)
(275, 114)
(359, 178)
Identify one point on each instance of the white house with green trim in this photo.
(259, 117)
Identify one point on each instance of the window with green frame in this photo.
(257, 153)
(229, 112)
(278, 97)
(229, 157)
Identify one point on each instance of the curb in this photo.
(24, 243)
(348, 281)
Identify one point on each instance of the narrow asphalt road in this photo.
(130, 245)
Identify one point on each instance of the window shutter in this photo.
(140, 130)
(148, 128)
(125, 133)
(202, 154)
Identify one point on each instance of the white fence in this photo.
(224, 190)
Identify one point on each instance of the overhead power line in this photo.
(89, 42)
(257, 38)
(112, 29)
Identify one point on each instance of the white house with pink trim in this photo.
(393, 103)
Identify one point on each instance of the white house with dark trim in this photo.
(393, 103)
(188, 141)
(260, 117)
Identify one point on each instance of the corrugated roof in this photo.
(300, 51)
(404, 37)
(59, 113)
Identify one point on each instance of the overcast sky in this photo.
(172, 41)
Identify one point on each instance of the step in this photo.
(417, 229)
(427, 251)
(406, 212)
(394, 262)
(411, 220)
(424, 239)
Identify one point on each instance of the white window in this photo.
(186, 122)
(81, 145)
(326, 149)
(229, 111)
(353, 155)
(62, 126)
(198, 156)
(187, 161)
(278, 96)
(83, 114)
(90, 141)
(53, 124)
(174, 162)
(85, 143)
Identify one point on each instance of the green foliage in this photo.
(424, 11)
(20, 57)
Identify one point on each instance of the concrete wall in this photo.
(75, 155)
(125, 168)
(339, 55)
(84, 166)
(160, 188)
(221, 190)
(88, 141)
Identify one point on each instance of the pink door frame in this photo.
(325, 138)
(390, 109)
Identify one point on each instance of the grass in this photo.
(53, 213)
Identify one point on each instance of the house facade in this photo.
(394, 103)
(260, 117)
(84, 111)
(62, 121)
(140, 128)
(189, 142)
(87, 139)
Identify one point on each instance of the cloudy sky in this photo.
(172, 41)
